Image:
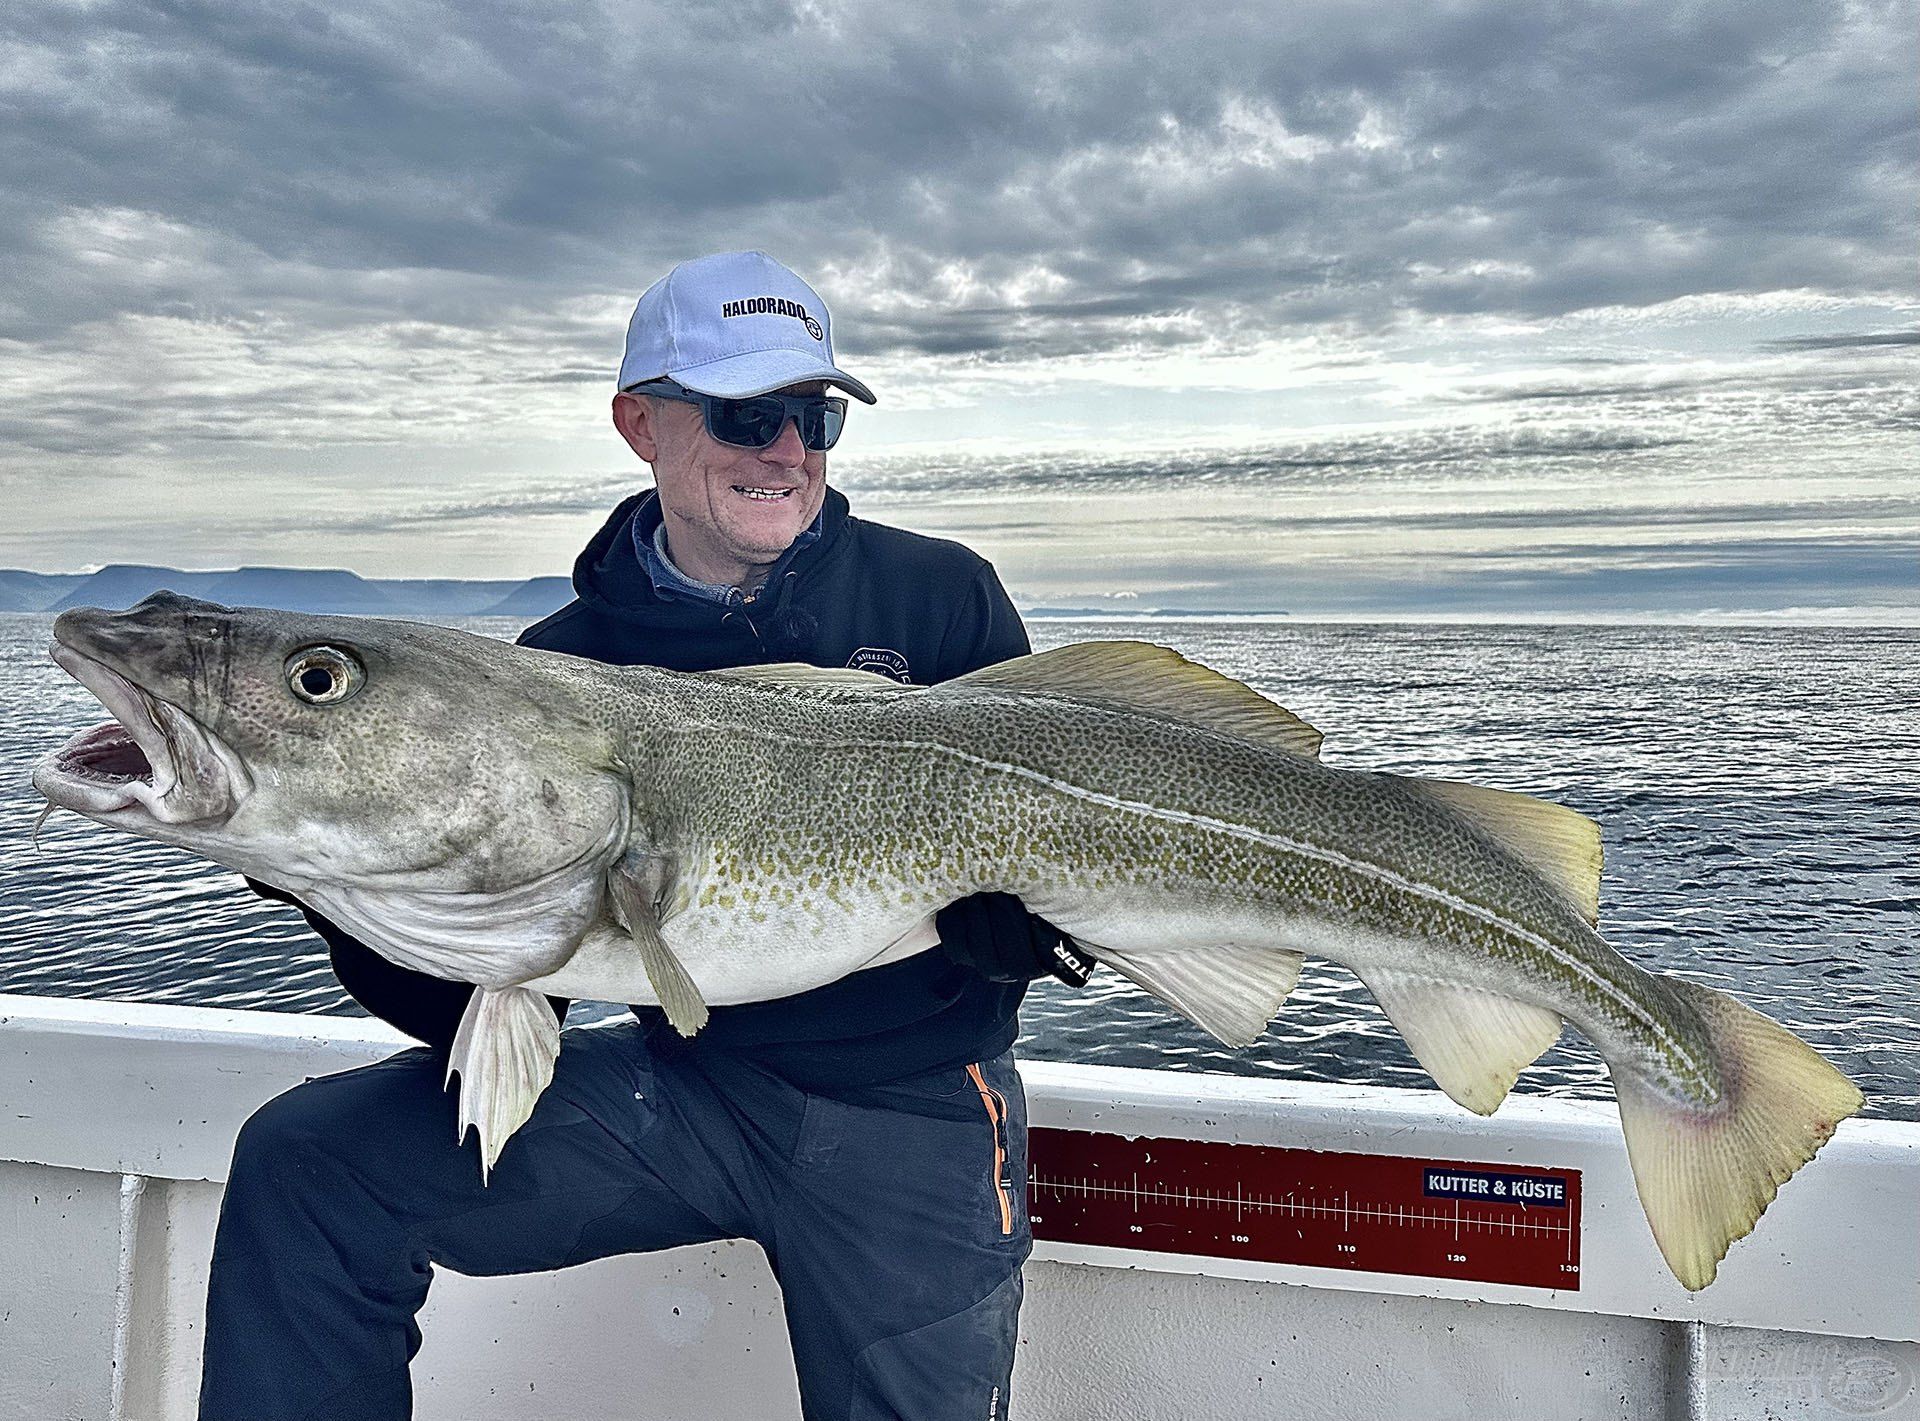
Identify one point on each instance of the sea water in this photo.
(1758, 788)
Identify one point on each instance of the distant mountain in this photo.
(534, 598)
(120, 585)
(447, 596)
(22, 591)
(299, 589)
(332, 589)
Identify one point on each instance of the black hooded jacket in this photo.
(919, 609)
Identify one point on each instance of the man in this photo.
(870, 1134)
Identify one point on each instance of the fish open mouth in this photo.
(106, 755)
(151, 758)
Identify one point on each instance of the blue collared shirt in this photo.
(672, 585)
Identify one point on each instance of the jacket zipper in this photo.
(997, 1112)
(752, 599)
(759, 642)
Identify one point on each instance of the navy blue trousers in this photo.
(894, 1217)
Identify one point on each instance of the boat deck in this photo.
(1210, 1247)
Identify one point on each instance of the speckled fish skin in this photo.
(813, 824)
(794, 819)
(533, 823)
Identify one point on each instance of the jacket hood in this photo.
(608, 575)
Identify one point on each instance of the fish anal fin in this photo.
(1139, 676)
(503, 1053)
(1473, 1043)
(1231, 991)
(1706, 1172)
(636, 886)
(1560, 844)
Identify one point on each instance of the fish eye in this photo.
(324, 675)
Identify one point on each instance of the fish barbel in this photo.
(535, 823)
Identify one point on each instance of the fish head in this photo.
(353, 752)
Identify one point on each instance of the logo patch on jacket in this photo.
(881, 659)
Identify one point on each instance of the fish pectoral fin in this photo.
(637, 886)
(1473, 1043)
(503, 1053)
(1155, 680)
(1559, 844)
(1231, 991)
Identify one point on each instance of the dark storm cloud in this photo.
(1848, 392)
(1306, 464)
(1012, 180)
(583, 375)
(1351, 468)
(539, 499)
(1678, 523)
(1864, 340)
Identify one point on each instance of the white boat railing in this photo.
(116, 1123)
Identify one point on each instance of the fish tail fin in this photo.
(503, 1053)
(1706, 1173)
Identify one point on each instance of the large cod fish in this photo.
(537, 823)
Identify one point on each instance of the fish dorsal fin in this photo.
(833, 682)
(1139, 676)
(1560, 845)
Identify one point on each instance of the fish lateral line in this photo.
(1430, 892)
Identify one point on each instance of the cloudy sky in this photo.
(1469, 307)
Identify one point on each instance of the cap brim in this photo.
(758, 372)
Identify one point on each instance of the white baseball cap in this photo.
(733, 325)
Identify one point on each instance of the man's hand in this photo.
(994, 934)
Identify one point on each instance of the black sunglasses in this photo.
(755, 422)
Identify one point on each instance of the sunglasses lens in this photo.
(751, 424)
(756, 423)
(823, 423)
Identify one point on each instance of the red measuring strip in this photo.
(1492, 1223)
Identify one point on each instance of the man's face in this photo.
(725, 506)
